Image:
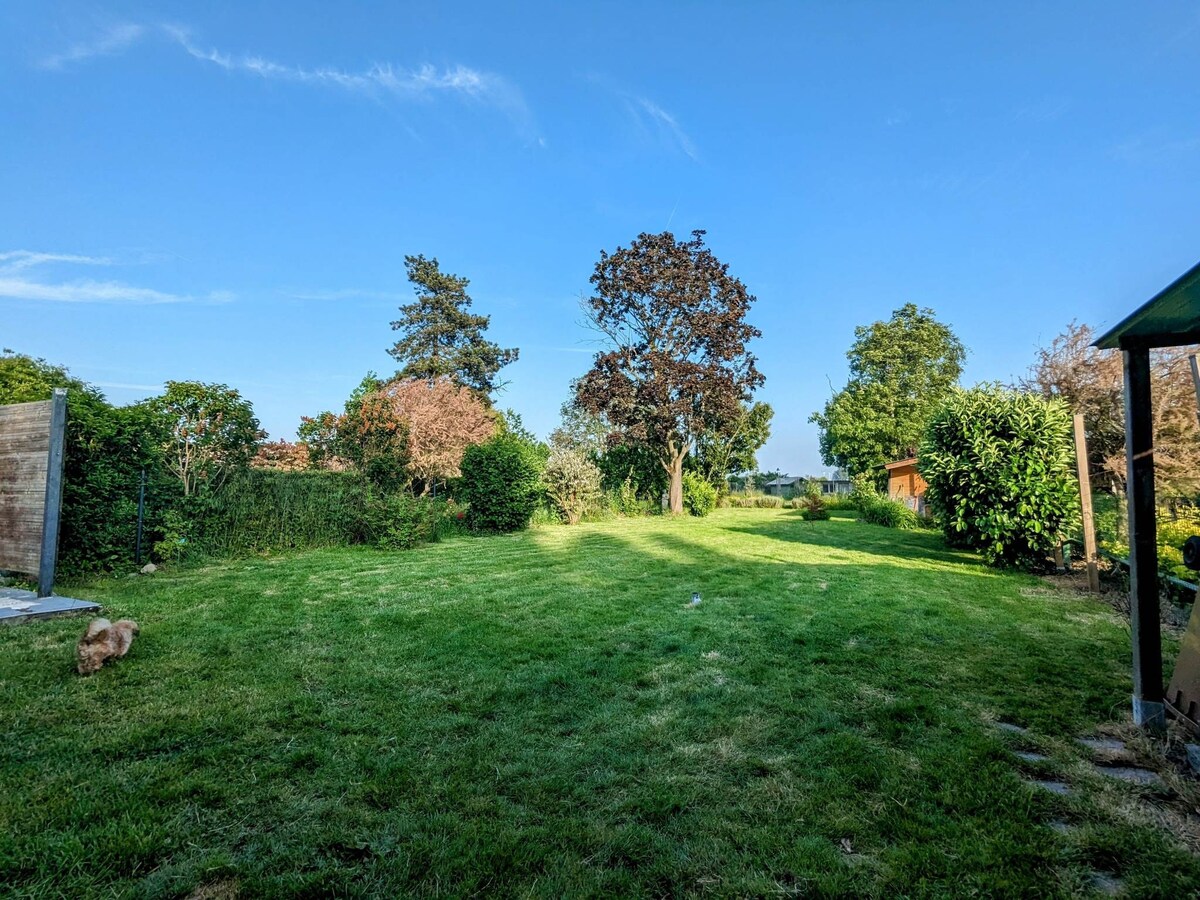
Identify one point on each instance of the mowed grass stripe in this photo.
(545, 714)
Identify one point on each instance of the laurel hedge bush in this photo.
(1000, 467)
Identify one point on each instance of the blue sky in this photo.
(226, 192)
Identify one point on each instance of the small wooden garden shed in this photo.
(906, 484)
(1169, 319)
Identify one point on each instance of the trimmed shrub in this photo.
(572, 483)
(699, 496)
(501, 481)
(1000, 468)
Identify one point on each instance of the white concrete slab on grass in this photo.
(17, 605)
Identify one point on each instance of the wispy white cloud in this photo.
(344, 294)
(125, 386)
(1151, 150)
(113, 40)
(15, 260)
(17, 283)
(379, 79)
(665, 123)
(1047, 109)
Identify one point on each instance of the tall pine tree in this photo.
(441, 337)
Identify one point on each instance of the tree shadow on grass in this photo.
(874, 539)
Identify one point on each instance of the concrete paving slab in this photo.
(18, 606)
(1132, 775)
(1102, 744)
(1054, 787)
(1031, 757)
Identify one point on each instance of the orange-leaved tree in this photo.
(435, 418)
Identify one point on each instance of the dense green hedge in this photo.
(259, 510)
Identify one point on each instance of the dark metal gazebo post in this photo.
(1171, 318)
(1143, 548)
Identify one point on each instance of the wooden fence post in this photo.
(1085, 503)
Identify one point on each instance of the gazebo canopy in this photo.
(1170, 318)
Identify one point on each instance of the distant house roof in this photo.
(784, 481)
(900, 463)
(1168, 319)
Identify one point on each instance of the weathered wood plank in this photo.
(23, 471)
(24, 442)
(23, 559)
(25, 416)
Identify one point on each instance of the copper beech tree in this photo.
(677, 364)
(435, 418)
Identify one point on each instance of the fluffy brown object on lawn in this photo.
(103, 640)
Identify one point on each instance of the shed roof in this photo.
(1170, 318)
(900, 463)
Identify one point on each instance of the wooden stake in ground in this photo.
(1085, 500)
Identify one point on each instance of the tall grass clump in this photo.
(880, 510)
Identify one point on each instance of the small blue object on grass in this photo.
(695, 598)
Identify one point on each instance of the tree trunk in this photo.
(675, 494)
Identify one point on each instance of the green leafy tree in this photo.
(210, 432)
(731, 451)
(677, 364)
(1001, 471)
(440, 337)
(900, 371)
(580, 430)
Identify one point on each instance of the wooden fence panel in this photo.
(26, 440)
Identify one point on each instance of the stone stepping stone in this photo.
(1193, 756)
(1108, 885)
(1132, 775)
(1010, 728)
(1029, 757)
(1054, 787)
(1103, 745)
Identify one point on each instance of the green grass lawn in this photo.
(545, 714)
